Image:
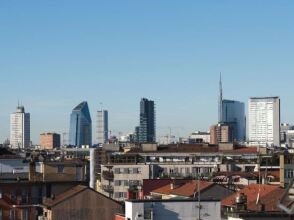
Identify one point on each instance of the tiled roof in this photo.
(61, 197)
(149, 185)
(268, 196)
(187, 189)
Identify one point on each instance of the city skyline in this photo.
(129, 50)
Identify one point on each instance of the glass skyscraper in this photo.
(233, 114)
(80, 132)
(147, 121)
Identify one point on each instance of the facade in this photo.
(147, 121)
(20, 128)
(264, 121)
(49, 140)
(102, 126)
(172, 209)
(80, 132)
(199, 137)
(81, 203)
(233, 112)
(125, 172)
(222, 133)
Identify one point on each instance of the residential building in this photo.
(20, 128)
(172, 209)
(49, 141)
(286, 169)
(80, 132)
(264, 121)
(80, 203)
(147, 131)
(102, 126)
(124, 172)
(222, 133)
(199, 137)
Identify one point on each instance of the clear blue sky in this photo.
(55, 54)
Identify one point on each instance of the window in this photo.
(25, 214)
(147, 214)
(60, 168)
(289, 173)
(0, 194)
(117, 171)
(117, 182)
(126, 183)
(135, 170)
(1, 214)
(126, 170)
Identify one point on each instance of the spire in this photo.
(220, 99)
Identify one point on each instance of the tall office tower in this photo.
(80, 132)
(233, 113)
(20, 128)
(147, 121)
(264, 121)
(102, 126)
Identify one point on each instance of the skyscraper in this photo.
(264, 121)
(80, 132)
(102, 126)
(20, 128)
(147, 121)
(232, 113)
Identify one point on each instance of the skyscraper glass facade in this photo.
(233, 113)
(80, 132)
(147, 121)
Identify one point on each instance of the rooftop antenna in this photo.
(101, 105)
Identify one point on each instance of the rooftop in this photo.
(269, 196)
(187, 189)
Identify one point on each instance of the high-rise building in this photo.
(232, 112)
(102, 126)
(147, 121)
(80, 132)
(264, 121)
(49, 141)
(221, 133)
(20, 128)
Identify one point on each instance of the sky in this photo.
(55, 54)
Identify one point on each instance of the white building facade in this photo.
(172, 209)
(102, 126)
(264, 121)
(20, 128)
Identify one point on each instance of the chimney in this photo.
(241, 202)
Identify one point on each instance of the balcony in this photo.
(107, 188)
(108, 175)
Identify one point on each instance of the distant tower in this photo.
(20, 128)
(80, 132)
(220, 100)
(147, 121)
(102, 126)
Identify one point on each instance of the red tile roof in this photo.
(61, 197)
(151, 184)
(268, 196)
(187, 189)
